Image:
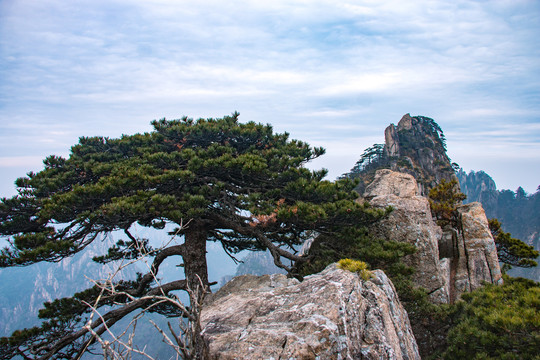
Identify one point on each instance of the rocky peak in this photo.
(406, 123)
(415, 146)
(330, 315)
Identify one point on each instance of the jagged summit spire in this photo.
(416, 146)
(405, 123)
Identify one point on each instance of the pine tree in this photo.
(211, 180)
(444, 199)
(512, 251)
(497, 322)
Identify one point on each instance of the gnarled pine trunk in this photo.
(196, 272)
(194, 255)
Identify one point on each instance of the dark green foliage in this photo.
(373, 157)
(518, 212)
(497, 322)
(356, 243)
(185, 169)
(430, 322)
(444, 199)
(210, 179)
(434, 129)
(511, 251)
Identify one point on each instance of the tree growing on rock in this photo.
(512, 251)
(219, 180)
(444, 200)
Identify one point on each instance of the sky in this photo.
(332, 73)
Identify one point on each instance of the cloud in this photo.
(330, 72)
(20, 161)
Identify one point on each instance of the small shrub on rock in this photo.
(356, 266)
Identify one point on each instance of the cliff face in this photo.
(330, 315)
(416, 146)
(448, 262)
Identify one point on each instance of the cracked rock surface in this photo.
(330, 315)
(410, 221)
(448, 262)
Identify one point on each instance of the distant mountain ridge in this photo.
(23, 290)
(518, 212)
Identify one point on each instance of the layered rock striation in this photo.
(330, 315)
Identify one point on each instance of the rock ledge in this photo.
(330, 315)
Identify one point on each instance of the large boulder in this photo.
(331, 315)
(388, 182)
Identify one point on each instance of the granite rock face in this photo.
(410, 221)
(330, 315)
(388, 182)
(448, 262)
(477, 260)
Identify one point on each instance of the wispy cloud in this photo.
(338, 71)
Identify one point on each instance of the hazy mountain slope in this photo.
(23, 290)
(518, 212)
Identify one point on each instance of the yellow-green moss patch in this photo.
(356, 266)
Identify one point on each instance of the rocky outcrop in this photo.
(391, 183)
(410, 221)
(476, 260)
(391, 141)
(416, 146)
(330, 315)
(447, 263)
